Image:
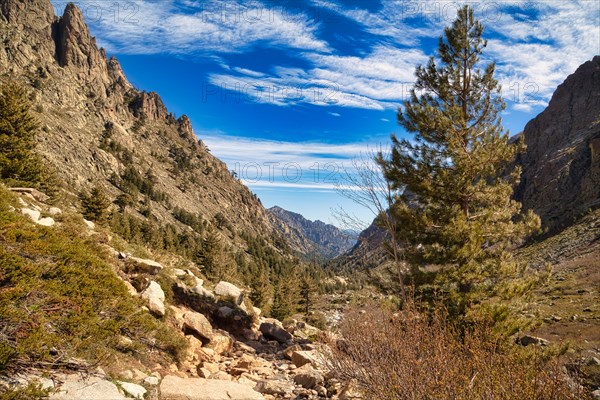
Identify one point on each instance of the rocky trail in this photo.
(233, 352)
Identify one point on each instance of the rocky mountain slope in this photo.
(313, 239)
(129, 327)
(97, 129)
(561, 166)
(368, 252)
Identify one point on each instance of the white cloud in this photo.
(534, 57)
(334, 114)
(378, 81)
(184, 27)
(534, 53)
(280, 164)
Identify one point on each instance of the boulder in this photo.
(89, 224)
(76, 388)
(272, 331)
(224, 312)
(526, 340)
(151, 381)
(175, 388)
(201, 291)
(33, 214)
(155, 297)
(287, 353)
(31, 192)
(198, 324)
(54, 211)
(133, 390)
(220, 343)
(230, 292)
(146, 266)
(308, 377)
(275, 387)
(301, 358)
(47, 221)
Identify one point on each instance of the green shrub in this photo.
(19, 164)
(60, 298)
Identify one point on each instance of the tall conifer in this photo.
(457, 173)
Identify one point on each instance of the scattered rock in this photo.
(211, 367)
(151, 381)
(224, 312)
(287, 353)
(54, 211)
(526, 340)
(593, 361)
(272, 331)
(33, 193)
(33, 214)
(229, 291)
(155, 297)
(220, 343)
(203, 373)
(300, 358)
(179, 273)
(275, 387)
(77, 388)
(89, 224)
(47, 221)
(198, 324)
(146, 266)
(175, 388)
(308, 377)
(133, 390)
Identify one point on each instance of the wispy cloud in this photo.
(535, 44)
(191, 27)
(378, 81)
(279, 164)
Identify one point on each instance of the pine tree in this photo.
(19, 164)
(216, 259)
(94, 205)
(285, 297)
(262, 290)
(456, 209)
(307, 294)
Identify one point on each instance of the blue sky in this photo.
(289, 92)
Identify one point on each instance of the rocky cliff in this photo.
(561, 167)
(96, 127)
(313, 239)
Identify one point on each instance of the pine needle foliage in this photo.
(19, 164)
(457, 174)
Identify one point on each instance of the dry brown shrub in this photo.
(417, 356)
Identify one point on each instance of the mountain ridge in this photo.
(313, 239)
(97, 127)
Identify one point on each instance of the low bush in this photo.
(419, 356)
(60, 298)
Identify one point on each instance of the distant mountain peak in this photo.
(310, 238)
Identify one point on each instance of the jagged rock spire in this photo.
(33, 14)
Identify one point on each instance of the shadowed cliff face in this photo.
(561, 167)
(83, 102)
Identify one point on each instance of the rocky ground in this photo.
(233, 352)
